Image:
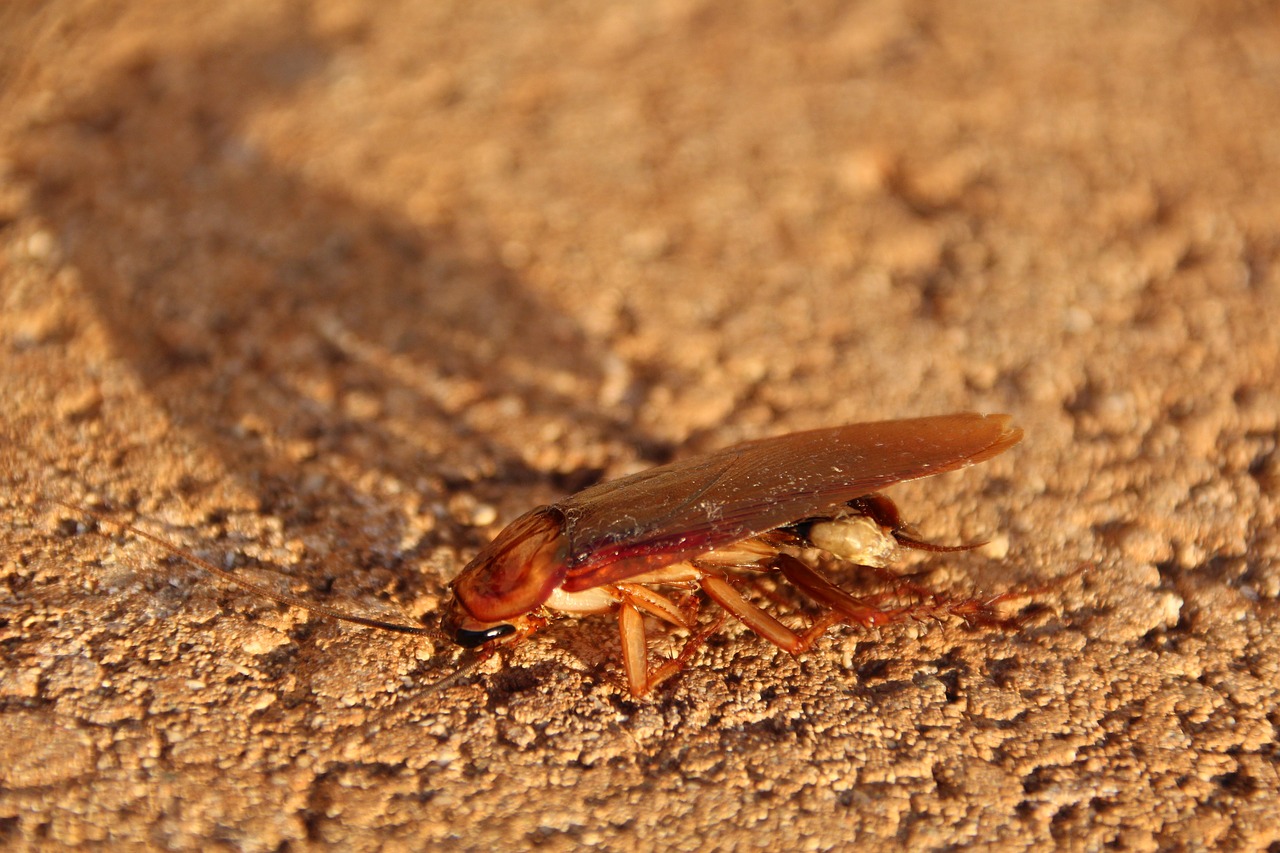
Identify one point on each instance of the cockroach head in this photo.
(510, 578)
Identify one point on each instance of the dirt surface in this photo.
(331, 292)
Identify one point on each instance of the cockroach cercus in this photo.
(643, 544)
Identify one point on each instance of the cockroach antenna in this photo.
(231, 577)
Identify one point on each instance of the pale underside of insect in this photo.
(645, 544)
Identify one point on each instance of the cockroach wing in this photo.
(635, 524)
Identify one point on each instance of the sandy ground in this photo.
(333, 291)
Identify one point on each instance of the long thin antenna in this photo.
(231, 577)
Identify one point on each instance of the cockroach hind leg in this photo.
(869, 613)
(976, 612)
(813, 584)
(986, 612)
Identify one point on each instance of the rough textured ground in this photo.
(335, 290)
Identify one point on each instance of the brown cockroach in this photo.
(710, 522)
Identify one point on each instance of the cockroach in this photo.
(714, 523)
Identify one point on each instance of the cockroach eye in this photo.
(470, 639)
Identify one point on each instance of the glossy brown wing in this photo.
(631, 525)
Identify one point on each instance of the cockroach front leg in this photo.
(635, 643)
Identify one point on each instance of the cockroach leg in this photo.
(866, 611)
(658, 605)
(983, 611)
(635, 646)
(691, 647)
(761, 622)
(829, 595)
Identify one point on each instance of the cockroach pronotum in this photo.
(714, 522)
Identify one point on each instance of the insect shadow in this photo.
(292, 329)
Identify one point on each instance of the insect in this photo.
(643, 545)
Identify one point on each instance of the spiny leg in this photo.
(829, 595)
(635, 643)
(635, 648)
(976, 611)
(660, 606)
(841, 607)
(761, 622)
(865, 611)
(901, 585)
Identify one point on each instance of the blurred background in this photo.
(342, 287)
